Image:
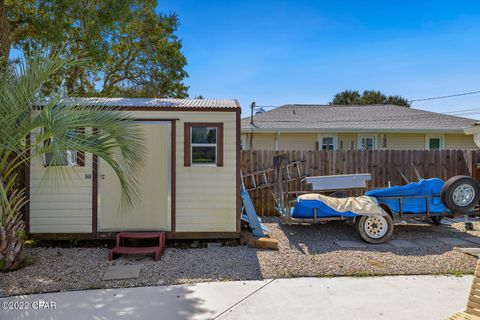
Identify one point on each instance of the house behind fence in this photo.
(355, 127)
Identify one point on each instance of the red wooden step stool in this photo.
(156, 251)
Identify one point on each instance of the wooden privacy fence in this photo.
(383, 165)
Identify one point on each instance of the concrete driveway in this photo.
(400, 297)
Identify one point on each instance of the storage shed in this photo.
(190, 182)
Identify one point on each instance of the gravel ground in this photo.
(305, 250)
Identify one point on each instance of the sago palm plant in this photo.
(31, 127)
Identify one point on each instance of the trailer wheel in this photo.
(460, 194)
(375, 229)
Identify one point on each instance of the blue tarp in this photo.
(304, 210)
(430, 187)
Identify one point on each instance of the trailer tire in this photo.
(375, 229)
(460, 194)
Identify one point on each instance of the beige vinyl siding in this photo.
(297, 141)
(405, 141)
(459, 141)
(205, 195)
(346, 140)
(261, 141)
(60, 206)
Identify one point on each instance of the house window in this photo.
(69, 158)
(327, 143)
(203, 144)
(366, 143)
(434, 142)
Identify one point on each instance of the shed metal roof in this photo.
(296, 117)
(154, 102)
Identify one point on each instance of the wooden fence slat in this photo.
(381, 164)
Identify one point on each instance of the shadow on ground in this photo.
(177, 302)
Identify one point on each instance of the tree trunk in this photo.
(5, 35)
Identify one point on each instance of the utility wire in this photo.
(449, 96)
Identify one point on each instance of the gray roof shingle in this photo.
(293, 117)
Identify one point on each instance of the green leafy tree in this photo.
(347, 97)
(109, 134)
(350, 97)
(132, 50)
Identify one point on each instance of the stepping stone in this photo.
(350, 244)
(472, 239)
(402, 244)
(427, 243)
(453, 241)
(122, 272)
(471, 251)
(379, 246)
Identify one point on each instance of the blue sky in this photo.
(277, 52)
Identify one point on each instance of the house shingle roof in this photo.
(294, 117)
(154, 102)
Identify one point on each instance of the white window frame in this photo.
(214, 164)
(363, 136)
(441, 137)
(321, 136)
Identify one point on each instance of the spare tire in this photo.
(460, 194)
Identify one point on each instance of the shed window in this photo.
(203, 144)
(70, 158)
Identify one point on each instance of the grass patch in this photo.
(455, 273)
(363, 274)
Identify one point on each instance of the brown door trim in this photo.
(94, 193)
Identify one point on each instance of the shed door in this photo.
(152, 212)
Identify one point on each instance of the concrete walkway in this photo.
(402, 297)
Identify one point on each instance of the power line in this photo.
(443, 97)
